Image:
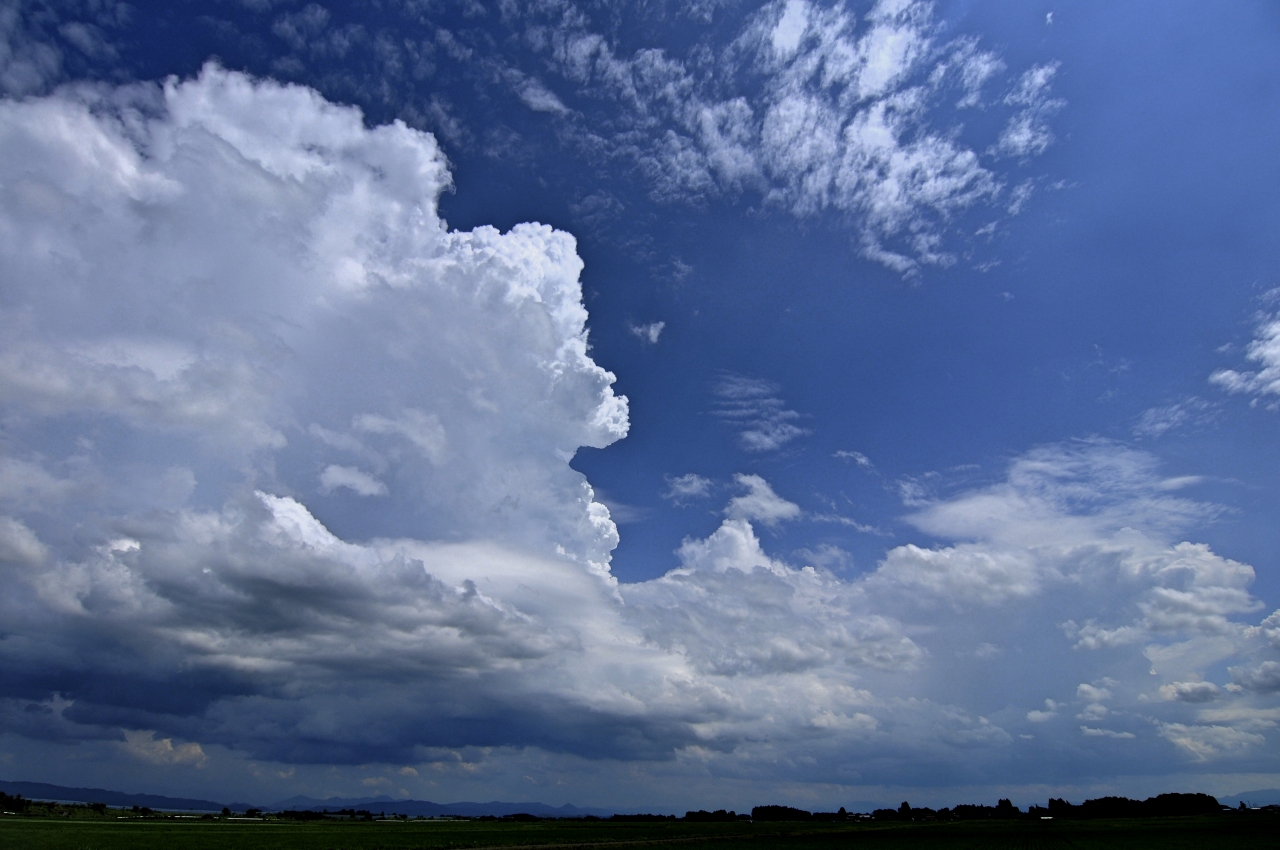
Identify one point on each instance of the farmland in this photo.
(78, 828)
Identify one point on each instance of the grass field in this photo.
(1236, 833)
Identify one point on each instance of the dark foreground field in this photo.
(1242, 832)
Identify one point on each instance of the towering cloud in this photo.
(284, 475)
(231, 309)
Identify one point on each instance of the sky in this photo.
(654, 406)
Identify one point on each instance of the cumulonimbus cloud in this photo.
(234, 317)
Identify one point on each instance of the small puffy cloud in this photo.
(1264, 678)
(1093, 711)
(1269, 630)
(648, 333)
(1094, 732)
(1092, 693)
(1194, 692)
(683, 489)
(752, 406)
(1049, 712)
(733, 546)
(760, 503)
(360, 483)
(143, 745)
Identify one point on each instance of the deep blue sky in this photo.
(1020, 417)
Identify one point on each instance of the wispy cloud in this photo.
(848, 522)
(648, 333)
(752, 405)
(1189, 413)
(1264, 350)
(856, 457)
(833, 112)
(1027, 133)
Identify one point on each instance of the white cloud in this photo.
(977, 68)
(1269, 629)
(962, 574)
(648, 333)
(835, 115)
(1194, 692)
(1158, 421)
(539, 98)
(790, 29)
(360, 483)
(1027, 133)
(263, 289)
(1264, 350)
(1265, 678)
(1093, 732)
(847, 522)
(1092, 693)
(732, 546)
(857, 457)
(145, 746)
(225, 187)
(248, 284)
(735, 612)
(760, 503)
(684, 488)
(1206, 742)
(752, 405)
(1049, 712)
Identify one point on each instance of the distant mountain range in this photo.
(413, 808)
(61, 793)
(1269, 797)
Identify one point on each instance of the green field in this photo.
(1236, 832)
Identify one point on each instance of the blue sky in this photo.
(661, 405)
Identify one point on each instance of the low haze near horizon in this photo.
(665, 405)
